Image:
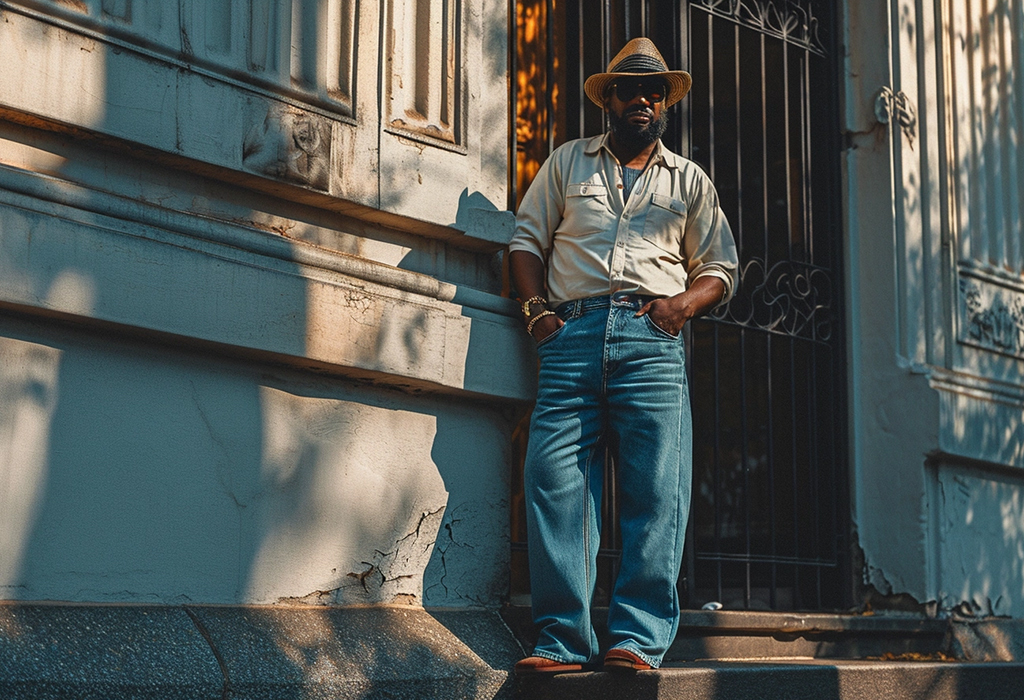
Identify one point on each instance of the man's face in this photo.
(636, 111)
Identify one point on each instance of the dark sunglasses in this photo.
(652, 90)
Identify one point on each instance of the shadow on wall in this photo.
(981, 511)
(144, 473)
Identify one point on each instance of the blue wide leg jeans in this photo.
(605, 370)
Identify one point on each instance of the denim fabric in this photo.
(605, 369)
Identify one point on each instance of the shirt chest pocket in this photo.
(586, 209)
(665, 223)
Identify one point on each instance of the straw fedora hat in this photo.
(638, 58)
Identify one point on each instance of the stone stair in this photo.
(789, 680)
(61, 651)
(732, 655)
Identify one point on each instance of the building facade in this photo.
(256, 348)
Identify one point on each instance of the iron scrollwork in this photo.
(793, 21)
(789, 297)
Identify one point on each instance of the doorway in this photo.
(769, 525)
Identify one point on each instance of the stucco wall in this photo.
(183, 419)
(142, 473)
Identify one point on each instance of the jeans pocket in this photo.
(551, 336)
(658, 330)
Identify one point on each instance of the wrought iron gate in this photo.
(769, 518)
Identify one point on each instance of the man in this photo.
(619, 242)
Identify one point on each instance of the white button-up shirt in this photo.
(669, 232)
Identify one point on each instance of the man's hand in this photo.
(670, 314)
(546, 326)
(528, 277)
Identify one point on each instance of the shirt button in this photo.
(620, 186)
(583, 190)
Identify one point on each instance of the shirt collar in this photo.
(599, 142)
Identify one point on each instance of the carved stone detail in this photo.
(118, 9)
(897, 107)
(290, 145)
(991, 317)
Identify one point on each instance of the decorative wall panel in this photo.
(303, 49)
(988, 99)
(278, 89)
(424, 73)
(991, 315)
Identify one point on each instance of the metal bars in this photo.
(768, 528)
(768, 469)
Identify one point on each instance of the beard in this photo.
(636, 137)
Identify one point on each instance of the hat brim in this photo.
(678, 82)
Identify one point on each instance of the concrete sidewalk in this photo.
(117, 652)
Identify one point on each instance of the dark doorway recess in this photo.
(769, 527)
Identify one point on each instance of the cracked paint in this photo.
(448, 547)
(400, 564)
(387, 576)
(350, 515)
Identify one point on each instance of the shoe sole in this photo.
(562, 668)
(617, 663)
(625, 667)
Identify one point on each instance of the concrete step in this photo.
(788, 680)
(719, 635)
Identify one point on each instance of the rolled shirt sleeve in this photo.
(708, 244)
(540, 212)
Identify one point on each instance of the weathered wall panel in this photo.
(150, 475)
(425, 69)
(243, 362)
(988, 61)
(936, 288)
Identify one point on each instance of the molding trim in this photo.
(424, 72)
(257, 59)
(113, 263)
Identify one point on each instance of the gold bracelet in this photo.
(542, 314)
(533, 300)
